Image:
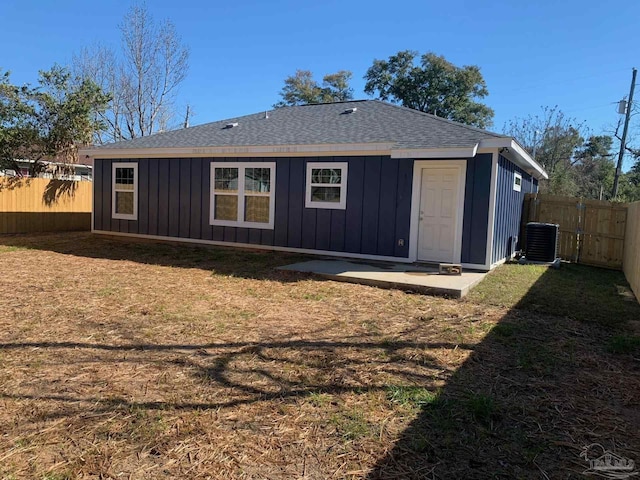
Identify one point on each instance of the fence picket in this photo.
(44, 205)
(591, 231)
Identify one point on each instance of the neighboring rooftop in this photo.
(360, 121)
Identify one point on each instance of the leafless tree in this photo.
(142, 78)
(554, 138)
(631, 144)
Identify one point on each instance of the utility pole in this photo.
(623, 140)
(186, 117)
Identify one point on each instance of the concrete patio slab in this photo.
(422, 279)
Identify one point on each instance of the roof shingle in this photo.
(373, 122)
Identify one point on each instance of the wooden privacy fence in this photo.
(44, 205)
(631, 264)
(591, 231)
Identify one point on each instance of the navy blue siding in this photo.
(387, 207)
(206, 230)
(103, 195)
(173, 200)
(163, 197)
(143, 200)
(476, 209)
(295, 201)
(338, 230)
(185, 199)
(355, 188)
(509, 207)
(403, 204)
(97, 193)
(152, 195)
(174, 197)
(371, 205)
(195, 212)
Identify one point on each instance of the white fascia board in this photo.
(518, 155)
(422, 153)
(346, 149)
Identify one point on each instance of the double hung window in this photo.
(242, 194)
(124, 192)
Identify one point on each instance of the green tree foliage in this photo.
(50, 120)
(434, 86)
(302, 89)
(629, 186)
(594, 168)
(554, 138)
(578, 164)
(16, 121)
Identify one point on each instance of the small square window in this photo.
(327, 185)
(517, 182)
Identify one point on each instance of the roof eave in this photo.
(451, 152)
(517, 155)
(241, 151)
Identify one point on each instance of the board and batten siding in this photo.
(509, 203)
(476, 209)
(174, 201)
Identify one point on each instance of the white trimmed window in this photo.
(242, 194)
(517, 182)
(124, 193)
(326, 185)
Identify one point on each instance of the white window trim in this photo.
(516, 187)
(241, 166)
(124, 216)
(342, 205)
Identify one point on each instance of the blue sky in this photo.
(574, 54)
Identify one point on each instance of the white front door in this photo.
(438, 215)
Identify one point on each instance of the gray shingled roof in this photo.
(373, 122)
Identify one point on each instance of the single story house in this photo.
(360, 179)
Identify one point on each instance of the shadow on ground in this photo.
(536, 391)
(253, 372)
(243, 263)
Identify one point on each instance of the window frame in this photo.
(342, 204)
(517, 187)
(242, 195)
(114, 189)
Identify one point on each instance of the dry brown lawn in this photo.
(139, 360)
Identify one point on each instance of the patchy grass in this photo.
(624, 344)
(140, 360)
(9, 248)
(411, 396)
(351, 424)
(574, 291)
(481, 407)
